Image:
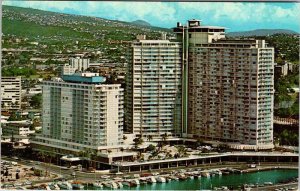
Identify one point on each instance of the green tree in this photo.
(150, 148)
(36, 101)
(138, 141)
(13, 117)
(149, 137)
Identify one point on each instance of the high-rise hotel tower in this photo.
(80, 112)
(153, 100)
(227, 87)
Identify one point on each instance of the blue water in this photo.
(231, 180)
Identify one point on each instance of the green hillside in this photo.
(33, 30)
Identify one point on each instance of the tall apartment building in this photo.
(228, 86)
(75, 65)
(11, 93)
(80, 112)
(153, 100)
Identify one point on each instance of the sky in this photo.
(235, 16)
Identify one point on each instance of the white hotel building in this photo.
(80, 112)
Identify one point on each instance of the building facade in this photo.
(75, 65)
(228, 89)
(80, 112)
(12, 129)
(153, 100)
(11, 93)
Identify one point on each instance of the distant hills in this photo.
(39, 24)
(141, 22)
(45, 25)
(261, 32)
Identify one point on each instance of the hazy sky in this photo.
(235, 16)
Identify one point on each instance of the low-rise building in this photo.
(16, 129)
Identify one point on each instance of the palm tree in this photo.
(149, 138)
(181, 150)
(164, 137)
(138, 141)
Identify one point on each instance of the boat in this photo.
(168, 179)
(173, 177)
(135, 181)
(128, 183)
(120, 185)
(268, 183)
(111, 184)
(77, 186)
(143, 180)
(53, 186)
(97, 185)
(205, 174)
(182, 177)
(64, 185)
(160, 179)
(151, 179)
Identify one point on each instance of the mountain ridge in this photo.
(137, 23)
(141, 22)
(261, 32)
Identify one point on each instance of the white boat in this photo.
(143, 180)
(135, 181)
(111, 184)
(97, 185)
(65, 186)
(160, 179)
(47, 187)
(151, 179)
(174, 178)
(120, 185)
(205, 174)
(268, 183)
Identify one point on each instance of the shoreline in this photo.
(250, 170)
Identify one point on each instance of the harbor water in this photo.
(231, 181)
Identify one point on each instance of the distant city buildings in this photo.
(11, 93)
(154, 88)
(80, 112)
(284, 69)
(75, 65)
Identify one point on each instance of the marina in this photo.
(190, 179)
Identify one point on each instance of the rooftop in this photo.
(91, 78)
